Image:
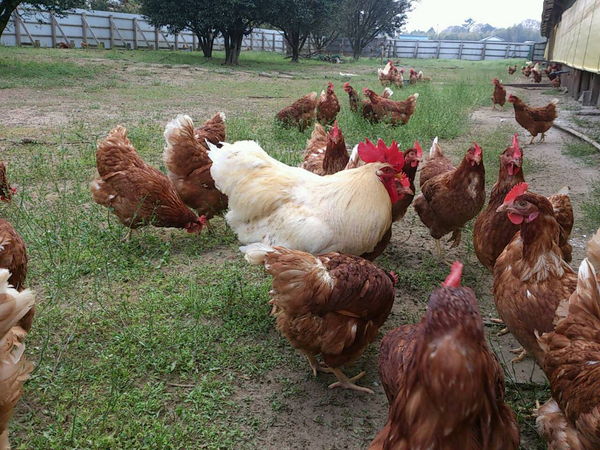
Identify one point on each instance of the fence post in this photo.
(252, 41)
(437, 55)
(83, 29)
(17, 20)
(176, 39)
(262, 44)
(416, 53)
(194, 42)
(483, 50)
(156, 38)
(460, 49)
(507, 51)
(111, 32)
(135, 34)
(53, 29)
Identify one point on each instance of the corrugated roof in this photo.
(551, 13)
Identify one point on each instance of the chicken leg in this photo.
(315, 366)
(543, 138)
(522, 354)
(532, 138)
(348, 383)
(455, 238)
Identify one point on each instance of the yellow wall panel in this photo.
(576, 38)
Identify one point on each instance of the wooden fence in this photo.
(440, 49)
(84, 28)
(104, 29)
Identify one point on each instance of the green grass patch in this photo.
(583, 151)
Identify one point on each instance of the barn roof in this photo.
(551, 13)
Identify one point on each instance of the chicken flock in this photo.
(317, 228)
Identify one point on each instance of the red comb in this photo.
(453, 279)
(346, 84)
(515, 145)
(517, 190)
(202, 220)
(478, 149)
(419, 149)
(369, 153)
(335, 131)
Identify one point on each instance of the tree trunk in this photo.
(356, 48)
(207, 41)
(233, 46)
(6, 9)
(296, 42)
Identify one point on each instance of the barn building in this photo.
(573, 31)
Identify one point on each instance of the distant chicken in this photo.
(413, 76)
(328, 106)
(331, 304)
(270, 202)
(450, 196)
(383, 109)
(358, 105)
(301, 113)
(188, 164)
(422, 77)
(499, 95)
(444, 385)
(325, 153)
(14, 368)
(137, 193)
(571, 354)
(512, 69)
(535, 120)
(6, 190)
(530, 276)
(390, 75)
(537, 75)
(555, 82)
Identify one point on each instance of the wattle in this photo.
(515, 218)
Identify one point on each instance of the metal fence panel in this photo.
(113, 30)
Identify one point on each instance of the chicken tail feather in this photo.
(256, 253)
(435, 149)
(593, 250)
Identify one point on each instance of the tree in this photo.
(298, 18)
(125, 6)
(236, 19)
(56, 6)
(468, 24)
(364, 20)
(177, 15)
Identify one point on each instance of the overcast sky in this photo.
(440, 14)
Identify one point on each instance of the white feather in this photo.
(255, 253)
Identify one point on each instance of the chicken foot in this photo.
(455, 238)
(522, 354)
(348, 383)
(316, 366)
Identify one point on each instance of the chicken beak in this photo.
(503, 208)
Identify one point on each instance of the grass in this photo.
(583, 151)
(155, 343)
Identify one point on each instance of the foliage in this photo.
(124, 6)
(198, 16)
(364, 20)
(528, 30)
(297, 19)
(56, 6)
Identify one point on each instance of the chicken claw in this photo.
(348, 383)
(502, 332)
(455, 238)
(316, 366)
(522, 354)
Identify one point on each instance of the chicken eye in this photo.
(522, 203)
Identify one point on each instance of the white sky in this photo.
(440, 14)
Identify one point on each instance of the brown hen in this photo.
(328, 106)
(331, 304)
(137, 193)
(535, 120)
(384, 109)
(6, 190)
(188, 164)
(530, 276)
(325, 153)
(571, 419)
(444, 386)
(450, 197)
(301, 113)
(499, 95)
